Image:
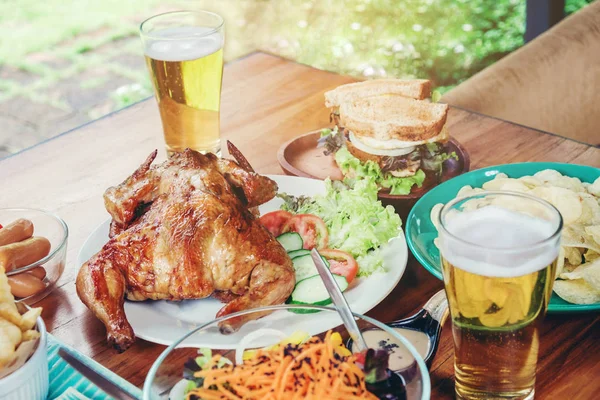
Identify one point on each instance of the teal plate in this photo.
(420, 232)
(68, 384)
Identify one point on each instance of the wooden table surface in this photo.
(267, 101)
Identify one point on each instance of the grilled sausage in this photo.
(20, 254)
(38, 272)
(16, 231)
(25, 285)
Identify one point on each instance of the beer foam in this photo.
(502, 242)
(183, 44)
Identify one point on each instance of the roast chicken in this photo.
(185, 229)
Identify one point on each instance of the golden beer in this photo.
(498, 266)
(495, 322)
(186, 68)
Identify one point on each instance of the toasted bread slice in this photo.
(418, 89)
(396, 118)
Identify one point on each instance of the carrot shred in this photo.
(316, 369)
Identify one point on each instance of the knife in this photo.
(100, 381)
(339, 301)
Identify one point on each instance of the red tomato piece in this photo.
(361, 357)
(1, 226)
(311, 228)
(275, 220)
(341, 263)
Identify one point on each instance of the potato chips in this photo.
(15, 329)
(578, 270)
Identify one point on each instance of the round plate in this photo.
(164, 322)
(301, 157)
(420, 232)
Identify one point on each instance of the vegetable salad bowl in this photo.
(166, 377)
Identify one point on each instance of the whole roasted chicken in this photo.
(185, 229)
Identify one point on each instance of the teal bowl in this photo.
(420, 231)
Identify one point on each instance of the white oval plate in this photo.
(164, 321)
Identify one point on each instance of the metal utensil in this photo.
(339, 301)
(429, 320)
(103, 383)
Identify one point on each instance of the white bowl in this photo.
(30, 382)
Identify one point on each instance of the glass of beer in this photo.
(499, 252)
(184, 54)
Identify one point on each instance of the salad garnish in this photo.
(332, 140)
(430, 155)
(314, 369)
(356, 220)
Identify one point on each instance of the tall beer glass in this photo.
(184, 54)
(499, 252)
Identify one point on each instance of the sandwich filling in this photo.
(397, 170)
(386, 130)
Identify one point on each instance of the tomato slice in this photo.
(312, 229)
(275, 220)
(341, 263)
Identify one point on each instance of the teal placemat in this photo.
(68, 384)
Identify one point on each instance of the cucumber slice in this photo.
(306, 310)
(290, 241)
(298, 253)
(312, 290)
(305, 267)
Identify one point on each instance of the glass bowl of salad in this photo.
(267, 354)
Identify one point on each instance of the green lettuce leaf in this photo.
(357, 222)
(355, 170)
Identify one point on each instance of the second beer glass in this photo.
(499, 252)
(184, 54)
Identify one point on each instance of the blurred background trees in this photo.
(77, 60)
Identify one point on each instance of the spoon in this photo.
(339, 301)
(428, 320)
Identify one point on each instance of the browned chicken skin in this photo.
(183, 230)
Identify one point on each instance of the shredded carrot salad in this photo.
(317, 369)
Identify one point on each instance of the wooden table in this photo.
(267, 101)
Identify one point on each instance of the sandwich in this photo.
(387, 130)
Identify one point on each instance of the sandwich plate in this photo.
(164, 322)
(301, 157)
(420, 231)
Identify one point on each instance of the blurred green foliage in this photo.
(444, 40)
(574, 5)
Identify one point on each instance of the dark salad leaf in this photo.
(393, 388)
(380, 380)
(401, 162)
(434, 155)
(293, 203)
(189, 368)
(332, 140)
(376, 365)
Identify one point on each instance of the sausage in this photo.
(25, 285)
(20, 254)
(38, 272)
(16, 231)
